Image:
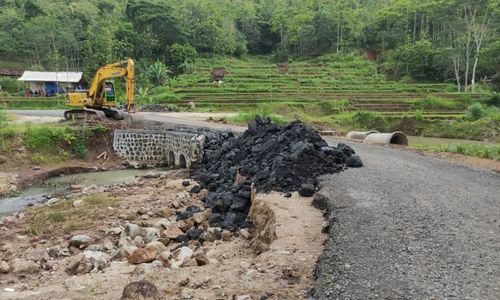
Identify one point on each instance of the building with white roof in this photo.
(51, 82)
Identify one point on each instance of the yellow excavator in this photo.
(100, 99)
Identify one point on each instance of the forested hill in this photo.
(427, 40)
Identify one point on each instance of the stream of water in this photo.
(59, 184)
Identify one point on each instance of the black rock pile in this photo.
(270, 156)
(157, 107)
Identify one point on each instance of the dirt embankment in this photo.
(95, 241)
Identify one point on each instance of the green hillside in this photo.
(349, 82)
(336, 91)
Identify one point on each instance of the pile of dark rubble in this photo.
(271, 157)
(157, 107)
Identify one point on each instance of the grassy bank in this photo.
(482, 151)
(484, 126)
(41, 144)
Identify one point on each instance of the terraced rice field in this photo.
(334, 78)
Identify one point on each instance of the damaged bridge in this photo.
(157, 147)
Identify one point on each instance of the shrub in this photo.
(419, 115)
(475, 112)
(10, 85)
(180, 57)
(494, 100)
(3, 119)
(369, 120)
(493, 113)
(45, 138)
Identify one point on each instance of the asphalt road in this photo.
(405, 226)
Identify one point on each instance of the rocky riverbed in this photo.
(94, 241)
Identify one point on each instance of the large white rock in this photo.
(181, 256)
(89, 262)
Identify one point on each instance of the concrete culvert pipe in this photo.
(396, 137)
(359, 135)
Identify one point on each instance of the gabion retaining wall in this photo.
(151, 148)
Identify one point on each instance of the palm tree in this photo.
(158, 73)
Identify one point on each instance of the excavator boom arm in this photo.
(118, 69)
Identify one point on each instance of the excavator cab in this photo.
(109, 91)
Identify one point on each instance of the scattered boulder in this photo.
(150, 234)
(138, 241)
(132, 230)
(37, 255)
(245, 233)
(76, 188)
(4, 267)
(24, 266)
(158, 246)
(306, 190)
(186, 182)
(89, 262)
(182, 255)
(354, 161)
(142, 255)
(78, 203)
(200, 217)
(80, 241)
(185, 225)
(164, 257)
(172, 232)
(226, 235)
(188, 212)
(201, 258)
(194, 233)
(195, 189)
(189, 263)
(166, 212)
(140, 290)
(126, 251)
(53, 201)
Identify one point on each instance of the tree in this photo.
(180, 56)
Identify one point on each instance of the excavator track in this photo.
(89, 113)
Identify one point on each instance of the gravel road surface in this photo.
(408, 226)
(405, 226)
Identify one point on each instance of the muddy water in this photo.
(419, 140)
(59, 184)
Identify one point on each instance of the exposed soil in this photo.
(231, 267)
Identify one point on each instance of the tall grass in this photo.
(369, 120)
(435, 103)
(263, 111)
(478, 150)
